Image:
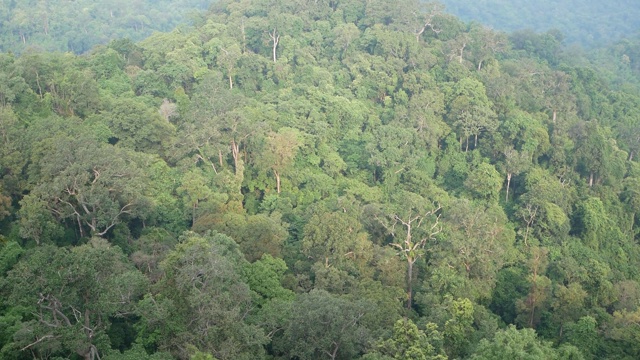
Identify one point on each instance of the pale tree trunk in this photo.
(194, 212)
(508, 183)
(410, 283)
(235, 152)
(244, 36)
(591, 179)
(333, 354)
(529, 218)
(275, 38)
(277, 180)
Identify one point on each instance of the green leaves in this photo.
(202, 301)
(410, 343)
(324, 326)
(93, 185)
(73, 295)
(516, 344)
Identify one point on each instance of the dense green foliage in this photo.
(79, 25)
(586, 22)
(319, 180)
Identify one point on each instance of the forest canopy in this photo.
(321, 180)
(585, 22)
(79, 25)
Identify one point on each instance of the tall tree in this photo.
(411, 223)
(74, 296)
(470, 110)
(202, 301)
(91, 184)
(280, 149)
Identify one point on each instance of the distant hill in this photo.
(589, 23)
(77, 26)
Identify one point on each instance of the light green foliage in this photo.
(469, 110)
(334, 239)
(583, 334)
(517, 344)
(536, 301)
(478, 244)
(594, 224)
(195, 188)
(264, 278)
(334, 160)
(458, 328)
(568, 302)
(484, 182)
(279, 150)
(410, 343)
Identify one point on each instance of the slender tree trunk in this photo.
(80, 226)
(89, 355)
(334, 354)
(475, 141)
(533, 298)
(508, 183)
(410, 263)
(275, 38)
(38, 83)
(277, 180)
(244, 36)
(235, 152)
(591, 179)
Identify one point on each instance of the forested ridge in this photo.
(79, 25)
(586, 22)
(321, 180)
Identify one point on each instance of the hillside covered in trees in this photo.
(320, 180)
(79, 25)
(586, 22)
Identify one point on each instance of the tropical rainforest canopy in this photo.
(342, 179)
(585, 22)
